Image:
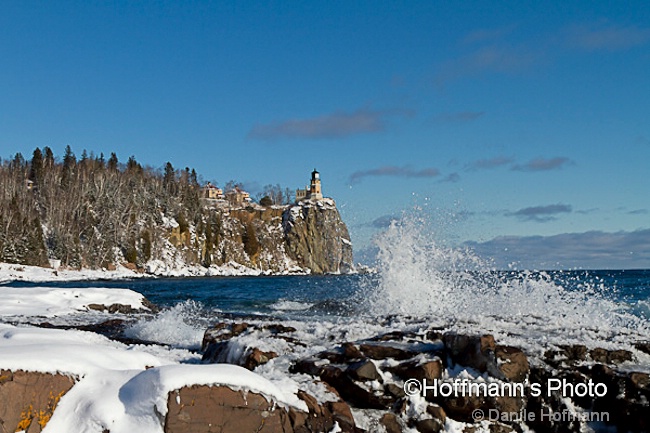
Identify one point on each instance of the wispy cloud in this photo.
(394, 171)
(451, 178)
(496, 58)
(501, 51)
(334, 125)
(639, 212)
(543, 164)
(541, 213)
(462, 116)
(588, 250)
(608, 37)
(489, 163)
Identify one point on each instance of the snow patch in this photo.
(51, 302)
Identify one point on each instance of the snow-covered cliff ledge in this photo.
(304, 238)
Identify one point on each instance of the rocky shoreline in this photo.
(376, 374)
(376, 384)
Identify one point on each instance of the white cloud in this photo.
(587, 250)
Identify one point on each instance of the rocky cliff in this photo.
(97, 214)
(306, 237)
(317, 238)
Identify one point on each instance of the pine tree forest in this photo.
(89, 211)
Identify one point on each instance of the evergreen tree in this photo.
(169, 178)
(112, 162)
(69, 160)
(49, 157)
(18, 163)
(132, 165)
(36, 167)
(69, 163)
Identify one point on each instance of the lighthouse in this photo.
(315, 188)
(312, 191)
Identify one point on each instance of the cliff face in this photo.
(96, 214)
(317, 238)
(309, 236)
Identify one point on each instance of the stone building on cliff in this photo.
(313, 191)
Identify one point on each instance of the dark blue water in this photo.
(341, 295)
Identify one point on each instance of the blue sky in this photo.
(521, 129)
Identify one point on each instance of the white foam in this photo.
(179, 326)
(285, 305)
(419, 278)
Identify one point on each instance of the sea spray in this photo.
(180, 326)
(419, 278)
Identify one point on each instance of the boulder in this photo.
(610, 356)
(363, 371)
(512, 363)
(394, 390)
(460, 407)
(640, 380)
(429, 425)
(342, 414)
(219, 409)
(215, 352)
(28, 399)
(353, 393)
(429, 370)
(311, 366)
(471, 351)
(437, 412)
(643, 346)
(390, 423)
(319, 418)
(277, 328)
(384, 351)
(350, 351)
(574, 353)
(255, 357)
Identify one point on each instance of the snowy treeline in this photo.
(89, 211)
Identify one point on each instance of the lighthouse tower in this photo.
(312, 191)
(315, 191)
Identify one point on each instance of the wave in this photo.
(418, 277)
(286, 305)
(181, 326)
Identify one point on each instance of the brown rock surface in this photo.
(513, 363)
(219, 409)
(317, 239)
(428, 370)
(205, 409)
(389, 421)
(383, 351)
(28, 399)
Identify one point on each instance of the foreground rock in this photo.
(28, 399)
(371, 374)
(381, 379)
(204, 409)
